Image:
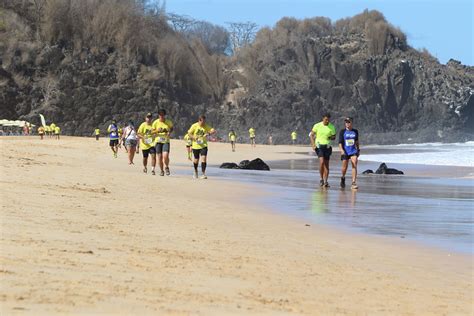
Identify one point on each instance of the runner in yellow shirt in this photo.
(97, 133)
(198, 132)
(294, 136)
(147, 143)
(321, 135)
(41, 132)
(57, 131)
(52, 128)
(252, 136)
(163, 128)
(189, 143)
(232, 137)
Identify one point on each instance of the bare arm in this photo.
(312, 136)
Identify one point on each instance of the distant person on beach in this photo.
(130, 141)
(321, 135)
(349, 146)
(46, 130)
(163, 128)
(252, 136)
(189, 142)
(120, 133)
(113, 136)
(294, 136)
(97, 133)
(232, 137)
(52, 128)
(270, 139)
(57, 131)
(147, 143)
(199, 132)
(41, 132)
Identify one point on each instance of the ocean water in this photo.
(436, 211)
(456, 154)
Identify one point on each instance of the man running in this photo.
(198, 133)
(349, 146)
(113, 136)
(252, 136)
(57, 131)
(163, 128)
(52, 128)
(294, 136)
(147, 143)
(41, 132)
(97, 133)
(321, 135)
(232, 137)
(130, 141)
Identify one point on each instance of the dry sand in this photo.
(83, 233)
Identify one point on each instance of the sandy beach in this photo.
(84, 233)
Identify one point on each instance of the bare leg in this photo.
(354, 161)
(345, 164)
(160, 161)
(321, 168)
(153, 162)
(166, 159)
(326, 170)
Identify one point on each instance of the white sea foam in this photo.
(455, 154)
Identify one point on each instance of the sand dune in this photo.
(83, 233)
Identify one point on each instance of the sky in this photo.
(443, 27)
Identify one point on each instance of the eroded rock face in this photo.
(401, 96)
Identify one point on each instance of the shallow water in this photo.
(434, 211)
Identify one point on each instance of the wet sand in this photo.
(83, 233)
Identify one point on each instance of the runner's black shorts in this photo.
(113, 142)
(324, 151)
(148, 151)
(160, 147)
(197, 152)
(348, 157)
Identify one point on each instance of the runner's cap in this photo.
(348, 120)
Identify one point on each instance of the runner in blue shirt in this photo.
(349, 146)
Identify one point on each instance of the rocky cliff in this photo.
(278, 84)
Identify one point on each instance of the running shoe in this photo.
(203, 177)
(195, 175)
(153, 172)
(167, 171)
(145, 170)
(321, 183)
(326, 184)
(162, 173)
(354, 186)
(343, 182)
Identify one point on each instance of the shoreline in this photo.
(116, 241)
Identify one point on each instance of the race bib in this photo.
(349, 142)
(114, 134)
(200, 141)
(162, 139)
(148, 140)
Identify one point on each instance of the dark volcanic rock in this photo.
(229, 165)
(368, 171)
(256, 164)
(383, 169)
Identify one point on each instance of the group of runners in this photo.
(51, 131)
(153, 138)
